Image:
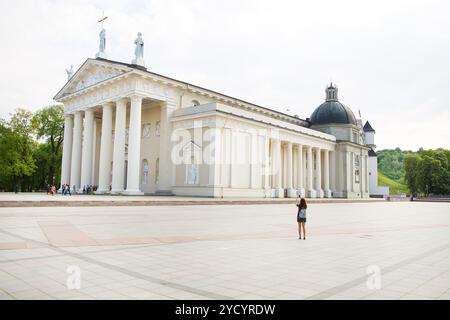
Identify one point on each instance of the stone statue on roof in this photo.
(69, 72)
(139, 51)
(102, 46)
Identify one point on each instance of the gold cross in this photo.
(103, 18)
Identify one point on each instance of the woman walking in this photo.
(301, 217)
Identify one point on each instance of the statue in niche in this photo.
(158, 128)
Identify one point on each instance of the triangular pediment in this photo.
(91, 73)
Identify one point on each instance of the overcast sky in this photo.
(390, 59)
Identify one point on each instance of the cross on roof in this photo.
(103, 18)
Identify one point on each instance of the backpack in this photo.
(302, 213)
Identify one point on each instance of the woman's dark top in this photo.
(301, 214)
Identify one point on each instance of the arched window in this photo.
(195, 103)
(145, 171)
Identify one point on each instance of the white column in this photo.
(326, 174)
(309, 177)
(267, 188)
(118, 175)
(225, 151)
(279, 191)
(319, 191)
(215, 161)
(332, 156)
(165, 150)
(134, 148)
(75, 168)
(352, 175)
(300, 187)
(94, 150)
(105, 149)
(86, 158)
(295, 167)
(254, 161)
(232, 158)
(348, 177)
(290, 191)
(366, 173)
(67, 149)
(284, 165)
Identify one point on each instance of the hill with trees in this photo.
(423, 171)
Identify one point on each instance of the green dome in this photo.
(332, 111)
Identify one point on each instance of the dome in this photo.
(332, 111)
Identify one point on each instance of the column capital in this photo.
(107, 104)
(136, 97)
(169, 104)
(122, 100)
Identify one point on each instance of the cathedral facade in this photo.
(131, 131)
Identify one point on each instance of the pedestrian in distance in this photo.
(301, 217)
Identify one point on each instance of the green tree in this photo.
(49, 125)
(16, 148)
(410, 164)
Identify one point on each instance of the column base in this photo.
(133, 193)
(301, 192)
(279, 193)
(104, 191)
(291, 193)
(117, 191)
(164, 193)
(319, 193)
(327, 194)
(311, 193)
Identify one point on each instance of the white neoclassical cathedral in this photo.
(131, 131)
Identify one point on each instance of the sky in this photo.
(390, 59)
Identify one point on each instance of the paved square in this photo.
(227, 252)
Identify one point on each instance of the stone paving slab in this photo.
(227, 252)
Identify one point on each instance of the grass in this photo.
(395, 187)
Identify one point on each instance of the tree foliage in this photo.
(49, 125)
(428, 172)
(30, 149)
